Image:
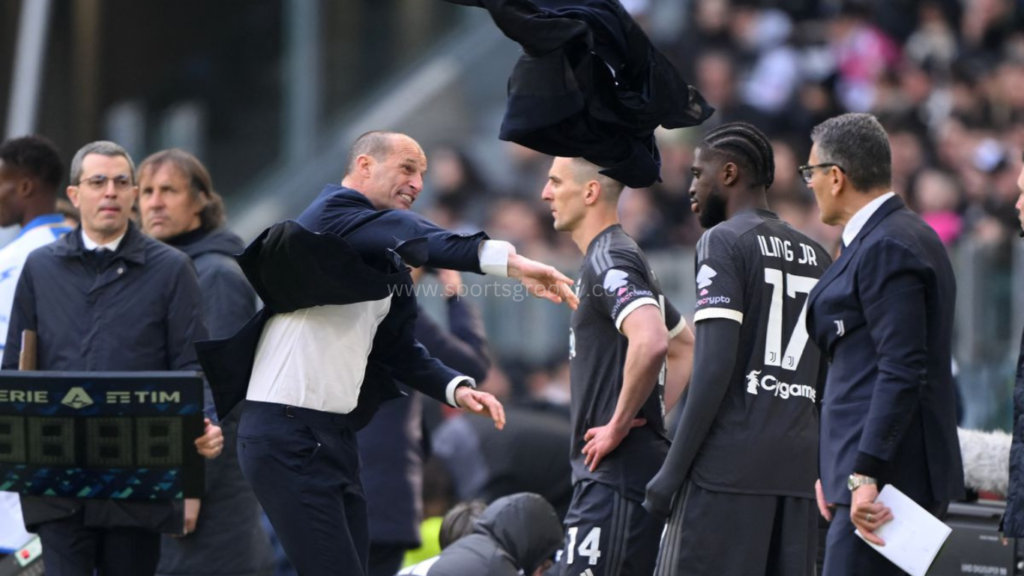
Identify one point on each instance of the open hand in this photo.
(603, 439)
(542, 280)
(480, 403)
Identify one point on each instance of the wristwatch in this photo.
(857, 480)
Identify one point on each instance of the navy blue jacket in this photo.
(391, 450)
(142, 312)
(342, 250)
(229, 539)
(1013, 518)
(884, 314)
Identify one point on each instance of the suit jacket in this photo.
(391, 449)
(342, 250)
(1013, 518)
(883, 313)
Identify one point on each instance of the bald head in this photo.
(387, 168)
(585, 172)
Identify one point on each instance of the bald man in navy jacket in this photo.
(336, 333)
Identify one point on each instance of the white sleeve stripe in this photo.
(709, 313)
(679, 328)
(449, 392)
(629, 309)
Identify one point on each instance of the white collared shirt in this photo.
(862, 216)
(90, 245)
(316, 357)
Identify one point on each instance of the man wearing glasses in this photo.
(883, 313)
(107, 298)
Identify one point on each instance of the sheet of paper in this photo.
(913, 537)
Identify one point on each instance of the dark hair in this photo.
(377, 144)
(859, 144)
(459, 521)
(747, 147)
(35, 155)
(213, 215)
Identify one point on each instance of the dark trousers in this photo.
(72, 549)
(847, 555)
(303, 466)
(386, 559)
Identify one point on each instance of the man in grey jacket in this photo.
(223, 534)
(515, 535)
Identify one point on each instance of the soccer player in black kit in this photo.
(739, 479)
(630, 357)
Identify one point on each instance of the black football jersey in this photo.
(757, 270)
(615, 279)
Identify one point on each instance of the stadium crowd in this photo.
(944, 78)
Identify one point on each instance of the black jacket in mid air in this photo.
(591, 85)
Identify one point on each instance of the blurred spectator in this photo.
(459, 521)
(30, 172)
(515, 535)
(457, 188)
(936, 198)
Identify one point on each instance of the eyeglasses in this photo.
(99, 182)
(807, 171)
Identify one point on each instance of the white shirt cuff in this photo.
(449, 392)
(494, 257)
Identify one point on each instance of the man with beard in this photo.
(747, 440)
(630, 354)
(180, 208)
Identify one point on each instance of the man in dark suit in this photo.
(335, 336)
(884, 314)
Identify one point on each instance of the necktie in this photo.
(101, 258)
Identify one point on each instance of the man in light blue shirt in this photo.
(30, 173)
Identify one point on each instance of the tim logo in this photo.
(77, 398)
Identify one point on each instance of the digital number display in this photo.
(114, 442)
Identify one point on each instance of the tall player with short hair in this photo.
(623, 334)
(747, 442)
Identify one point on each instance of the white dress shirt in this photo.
(90, 245)
(316, 357)
(862, 216)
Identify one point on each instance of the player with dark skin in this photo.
(752, 268)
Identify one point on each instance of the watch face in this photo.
(851, 482)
